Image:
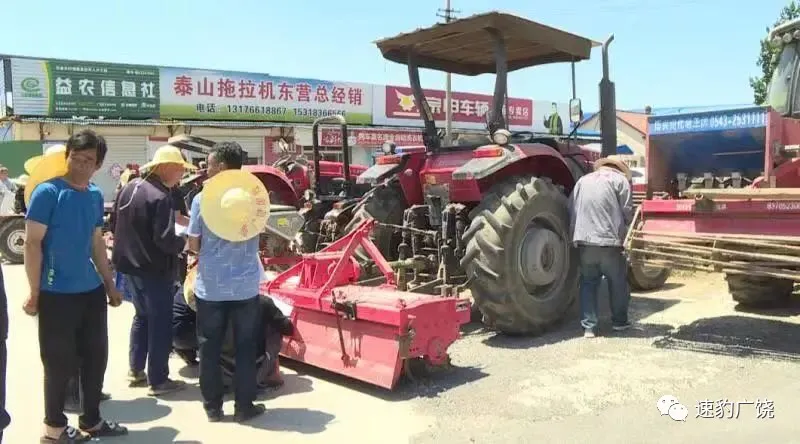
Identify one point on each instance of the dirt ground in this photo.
(689, 342)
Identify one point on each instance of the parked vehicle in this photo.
(732, 183)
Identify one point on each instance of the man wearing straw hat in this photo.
(601, 209)
(226, 218)
(64, 252)
(146, 249)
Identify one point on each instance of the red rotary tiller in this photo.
(370, 333)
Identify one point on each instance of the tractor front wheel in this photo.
(759, 291)
(520, 257)
(12, 240)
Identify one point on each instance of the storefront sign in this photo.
(61, 88)
(2, 89)
(395, 105)
(333, 137)
(713, 121)
(222, 95)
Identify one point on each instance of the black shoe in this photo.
(214, 415)
(169, 386)
(248, 413)
(105, 396)
(137, 378)
(188, 356)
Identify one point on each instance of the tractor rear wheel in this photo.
(759, 291)
(12, 240)
(385, 205)
(647, 277)
(520, 257)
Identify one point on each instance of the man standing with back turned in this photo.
(225, 234)
(601, 210)
(64, 251)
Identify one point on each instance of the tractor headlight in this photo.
(388, 147)
(501, 137)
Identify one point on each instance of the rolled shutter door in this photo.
(122, 150)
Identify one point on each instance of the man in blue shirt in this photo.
(64, 251)
(227, 287)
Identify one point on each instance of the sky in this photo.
(666, 52)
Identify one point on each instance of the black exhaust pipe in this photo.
(608, 108)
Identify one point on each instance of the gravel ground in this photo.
(689, 342)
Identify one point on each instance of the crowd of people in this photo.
(193, 278)
(193, 272)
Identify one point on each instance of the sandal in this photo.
(70, 435)
(108, 428)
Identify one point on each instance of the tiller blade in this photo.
(362, 332)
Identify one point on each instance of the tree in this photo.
(768, 58)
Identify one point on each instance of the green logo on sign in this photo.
(30, 87)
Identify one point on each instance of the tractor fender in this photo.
(530, 159)
(278, 185)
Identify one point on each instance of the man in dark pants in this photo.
(225, 237)
(146, 252)
(601, 209)
(64, 251)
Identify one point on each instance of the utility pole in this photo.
(447, 15)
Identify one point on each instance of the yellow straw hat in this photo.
(52, 164)
(235, 205)
(167, 154)
(615, 163)
(31, 163)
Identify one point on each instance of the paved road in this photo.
(558, 388)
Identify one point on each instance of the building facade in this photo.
(138, 107)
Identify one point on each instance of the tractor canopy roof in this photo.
(464, 47)
(778, 31)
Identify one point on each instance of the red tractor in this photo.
(489, 216)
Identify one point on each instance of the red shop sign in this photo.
(333, 137)
(466, 107)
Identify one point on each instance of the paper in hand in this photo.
(181, 230)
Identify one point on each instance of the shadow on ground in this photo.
(298, 420)
(791, 309)
(437, 382)
(155, 435)
(739, 336)
(569, 328)
(135, 411)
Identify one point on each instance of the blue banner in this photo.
(723, 120)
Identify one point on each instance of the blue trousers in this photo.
(596, 263)
(151, 331)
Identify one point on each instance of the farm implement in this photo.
(732, 178)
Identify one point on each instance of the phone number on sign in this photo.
(255, 109)
(278, 110)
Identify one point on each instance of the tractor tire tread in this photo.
(485, 260)
(759, 291)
